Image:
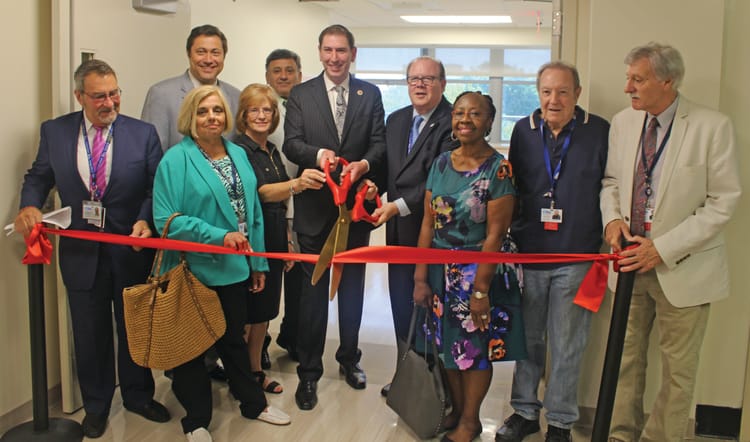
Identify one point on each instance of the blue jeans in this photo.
(550, 315)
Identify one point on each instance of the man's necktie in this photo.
(416, 122)
(640, 199)
(340, 109)
(100, 168)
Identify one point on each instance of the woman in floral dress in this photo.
(468, 206)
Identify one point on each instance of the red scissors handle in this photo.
(339, 191)
(358, 211)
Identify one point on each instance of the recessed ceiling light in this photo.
(457, 19)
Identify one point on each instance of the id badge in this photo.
(93, 213)
(648, 218)
(551, 218)
(242, 228)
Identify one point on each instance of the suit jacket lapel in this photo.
(672, 149)
(209, 176)
(356, 96)
(320, 97)
(70, 152)
(631, 148)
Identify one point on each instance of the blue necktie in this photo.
(414, 132)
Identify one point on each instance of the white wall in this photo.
(27, 96)
(256, 27)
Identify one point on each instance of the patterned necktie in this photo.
(340, 109)
(100, 168)
(414, 132)
(640, 199)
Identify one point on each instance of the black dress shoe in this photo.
(516, 428)
(384, 391)
(354, 375)
(265, 358)
(218, 374)
(151, 410)
(306, 395)
(94, 425)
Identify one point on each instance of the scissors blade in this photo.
(336, 271)
(335, 243)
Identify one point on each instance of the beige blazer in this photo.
(698, 191)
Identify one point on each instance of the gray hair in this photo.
(434, 60)
(563, 66)
(665, 60)
(92, 66)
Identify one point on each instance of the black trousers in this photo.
(292, 292)
(91, 314)
(313, 306)
(191, 384)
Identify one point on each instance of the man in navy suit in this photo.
(95, 273)
(313, 139)
(415, 135)
(206, 49)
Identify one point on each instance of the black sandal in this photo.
(260, 376)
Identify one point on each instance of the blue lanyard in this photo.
(648, 169)
(555, 176)
(96, 192)
(235, 174)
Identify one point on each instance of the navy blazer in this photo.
(127, 198)
(407, 173)
(309, 126)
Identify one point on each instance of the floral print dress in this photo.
(459, 210)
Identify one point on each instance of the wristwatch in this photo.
(479, 295)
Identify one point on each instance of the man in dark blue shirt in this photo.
(558, 155)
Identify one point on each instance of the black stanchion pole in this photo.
(42, 428)
(613, 356)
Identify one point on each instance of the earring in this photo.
(453, 137)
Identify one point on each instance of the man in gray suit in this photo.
(331, 116)
(415, 135)
(206, 50)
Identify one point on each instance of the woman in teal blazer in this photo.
(209, 181)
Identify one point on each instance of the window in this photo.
(507, 74)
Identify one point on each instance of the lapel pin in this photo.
(359, 92)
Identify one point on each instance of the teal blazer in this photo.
(185, 182)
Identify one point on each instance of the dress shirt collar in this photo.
(197, 83)
(665, 118)
(330, 84)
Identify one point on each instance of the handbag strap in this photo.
(156, 266)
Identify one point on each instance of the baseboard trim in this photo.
(25, 411)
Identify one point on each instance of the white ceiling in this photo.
(385, 13)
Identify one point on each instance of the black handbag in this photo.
(419, 394)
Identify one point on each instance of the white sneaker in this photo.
(273, 415)
(199, 435)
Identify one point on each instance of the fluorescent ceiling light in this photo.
(455, 19)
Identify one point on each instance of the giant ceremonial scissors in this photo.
(339, 235)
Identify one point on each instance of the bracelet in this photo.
(290, 242)
(479, 295)
(292, 192)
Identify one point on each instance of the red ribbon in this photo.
(590, 293)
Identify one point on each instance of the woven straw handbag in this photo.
(173, 317)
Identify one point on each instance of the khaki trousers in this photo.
(681, 333)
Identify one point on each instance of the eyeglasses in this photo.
(254, 111)
(102, 96)
(427, 81)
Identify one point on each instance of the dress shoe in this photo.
(273, 415)
(151, 410)
(306, 395)
(556, 434)
(265, 358)
(516, 428)
(94, 425)
(354, 375)
(384, 391)
(199, 435)
(218, 374)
